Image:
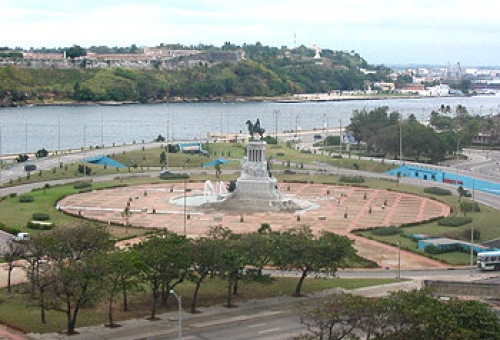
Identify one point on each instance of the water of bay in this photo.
(27, 129)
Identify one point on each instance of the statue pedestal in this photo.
(256, 189)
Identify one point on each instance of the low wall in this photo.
(453, 288)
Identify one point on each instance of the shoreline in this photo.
(282, 100)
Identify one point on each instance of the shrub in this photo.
(41, 216)
(386, 231)
(13, 194)
(82, 185)
(288, 172)
(26, 199)
(432, 249)
(82, 168)
(169, 176)
(39, 226)
(437, 191)
(280, 154)
(10, 230)
(454, 221)
(351, 179)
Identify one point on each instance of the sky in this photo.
(383, 32)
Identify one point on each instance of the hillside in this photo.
(265, 72)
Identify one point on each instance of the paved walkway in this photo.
(339, 209)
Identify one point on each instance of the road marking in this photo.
(269, 330)
(236, 318)
(256, 325)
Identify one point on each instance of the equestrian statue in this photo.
(255, 128)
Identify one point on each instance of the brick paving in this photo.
(339, 209)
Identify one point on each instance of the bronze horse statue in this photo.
(255, 128)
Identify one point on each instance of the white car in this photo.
(22, 237)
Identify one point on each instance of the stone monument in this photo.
(256, 188)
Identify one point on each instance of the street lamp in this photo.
(185, 208)
(401, 140)
(471, 250)
(276, 114)
(296, 124)
(325, 128)
(179, 313)
(1, 161)
(399, 260)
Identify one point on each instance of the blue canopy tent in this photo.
(216, 161)
(104, 160)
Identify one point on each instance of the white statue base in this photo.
(256, 189)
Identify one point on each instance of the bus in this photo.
(488, 260)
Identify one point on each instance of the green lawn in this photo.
(20, 311)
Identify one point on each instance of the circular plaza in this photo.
(333, 208)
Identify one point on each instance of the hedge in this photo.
(386, 231)
(437, 191)
(41, 216)
(174, 176)
(351, 179)
(10, 230)
(82, 185)
(26, 199)
(454, 221)
(39, 226)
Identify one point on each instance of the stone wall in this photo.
(454, 288)
(204, 58)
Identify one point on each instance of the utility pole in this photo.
(401, 140)
(1, 161)
(276, 114)
(471, 250)
(59, 138)
(399, 260)
(340, 135)
(185, 207)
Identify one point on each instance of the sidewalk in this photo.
(215, 315)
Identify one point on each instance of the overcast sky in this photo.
(384, 31)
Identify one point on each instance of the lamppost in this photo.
(471, 250)
(84, 151)
(185, 208)
(401, 140)
(296, 125)
(399, 260)
(276, 114)
(340, 137)
(1, 161)
(179, 313)
(26, 135)
(325, 128)
(59, 137)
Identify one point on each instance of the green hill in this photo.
(265, 72)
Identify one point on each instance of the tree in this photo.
(466, 206)
(217, 170)
(122, 268)
(367, 124)
(298, 249)
(205, 255)
(75, 51)
(75, 270)
(336, 317)
(11, 253)
(400, 315)
(167, 261)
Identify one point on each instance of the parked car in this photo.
(29, 167)
(20, 237)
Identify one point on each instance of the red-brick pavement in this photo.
(338, 209)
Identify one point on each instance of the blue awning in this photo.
(216, 161)
(104, 160)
